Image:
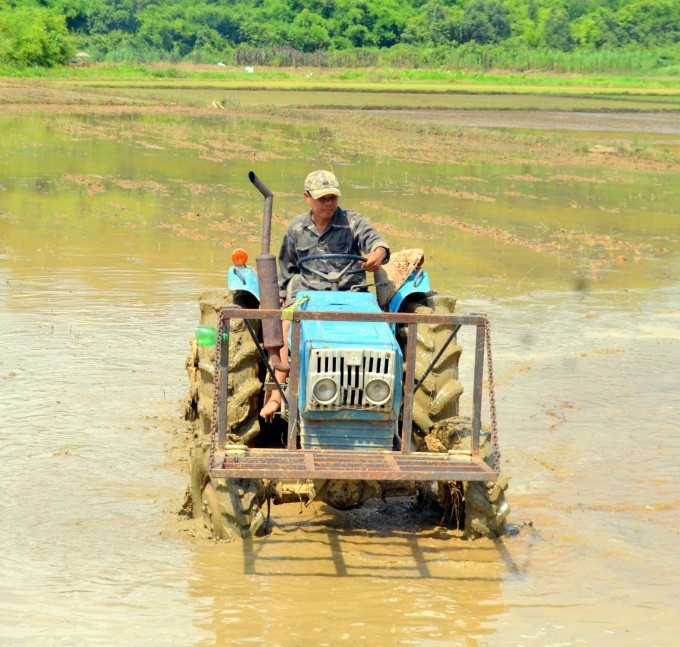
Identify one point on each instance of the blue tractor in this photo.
(371, 407)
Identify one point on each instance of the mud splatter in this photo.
(512, 373)
(468, 178)
(150, 145)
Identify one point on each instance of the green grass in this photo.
(119, 71)
(482, 78)
(123, 71)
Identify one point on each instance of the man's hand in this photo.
(374, 259)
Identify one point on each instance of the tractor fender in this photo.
(243, 278)
(418, 281)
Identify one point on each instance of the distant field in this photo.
(368, 88)
(640, 115)
(376, 89)
(341, 97)
(426, 87)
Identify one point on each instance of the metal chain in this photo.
(217, 383)
(492, 400)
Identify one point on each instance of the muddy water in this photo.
(109, 229)
(398, 99)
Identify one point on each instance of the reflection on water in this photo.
(98, 280)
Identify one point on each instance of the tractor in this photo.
(370, 408)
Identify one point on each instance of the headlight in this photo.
(377, 391)
(325, 390)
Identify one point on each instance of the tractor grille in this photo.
(351, 369)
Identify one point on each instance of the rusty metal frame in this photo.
(401, 465)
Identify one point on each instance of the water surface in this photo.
(110, 227)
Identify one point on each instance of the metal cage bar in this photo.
(294, 414)
(477, 390)
(409, 379)
(223, 341)
(294, 463)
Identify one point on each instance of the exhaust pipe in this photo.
(272, 330)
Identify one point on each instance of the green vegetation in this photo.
(384, 80)
(32, 35)
(585, 36)
(471, 56)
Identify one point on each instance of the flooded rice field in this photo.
(110, 226)
(470, 99)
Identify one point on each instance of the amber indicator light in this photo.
(239, 257)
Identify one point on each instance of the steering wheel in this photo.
(333, 277)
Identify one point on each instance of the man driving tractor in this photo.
(325, 229)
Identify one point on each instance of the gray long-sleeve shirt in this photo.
(348, 233)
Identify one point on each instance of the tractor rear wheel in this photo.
(437, 398)
(230, 508)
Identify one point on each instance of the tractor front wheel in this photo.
(479, 508)
(231, 509)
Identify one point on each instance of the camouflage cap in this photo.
(320, 183)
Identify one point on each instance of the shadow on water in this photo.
(379, 574)
(380, 585)
(405, 546)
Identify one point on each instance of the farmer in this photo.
(325, 229)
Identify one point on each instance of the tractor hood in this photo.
(348, 332)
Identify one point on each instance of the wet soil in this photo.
(604, 121)
(111, 224)
(631, 127)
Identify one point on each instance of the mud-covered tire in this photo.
(437, 398)
(230, 508)
(486, 507)
(244, 383)
(479, 508)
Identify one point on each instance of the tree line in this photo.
(48, 32)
